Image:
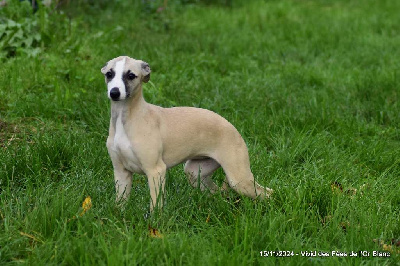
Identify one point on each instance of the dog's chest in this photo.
(124, 148)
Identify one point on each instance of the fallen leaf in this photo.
(344, 225)
(208, 218)
(387, 247)
(86, 205)
(326, 219)
(351, 191)
(154, 233)
(336, 187)
(31, 237)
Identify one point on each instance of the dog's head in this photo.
(123, 76)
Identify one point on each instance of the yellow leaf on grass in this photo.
(86, 205)
(154, 233)
(208, 218)
(392, 247)
(336, 187)
(31, 237)
(387, 247)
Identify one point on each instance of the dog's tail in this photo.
(263, 192)
(252, 189)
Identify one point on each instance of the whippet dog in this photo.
(148, 139)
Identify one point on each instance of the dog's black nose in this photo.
(114, 93)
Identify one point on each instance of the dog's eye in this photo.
(131, 76)
(109, 74)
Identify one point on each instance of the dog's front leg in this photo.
(156, 179)
(123, 183)
(122, 177)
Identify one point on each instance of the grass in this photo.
(313, 87)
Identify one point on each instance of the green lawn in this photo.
(312, 86)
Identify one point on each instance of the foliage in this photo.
(28, 33)
(19, 38)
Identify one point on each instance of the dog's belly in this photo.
(173, 160)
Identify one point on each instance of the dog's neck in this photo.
(134, 105)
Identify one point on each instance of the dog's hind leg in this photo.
(236, 166)
(199, 172)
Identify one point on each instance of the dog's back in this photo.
(205, 132)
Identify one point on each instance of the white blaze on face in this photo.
(117, 81)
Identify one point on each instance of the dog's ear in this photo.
(104, 68)
(146, 72)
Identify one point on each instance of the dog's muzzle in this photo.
(114, 94)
